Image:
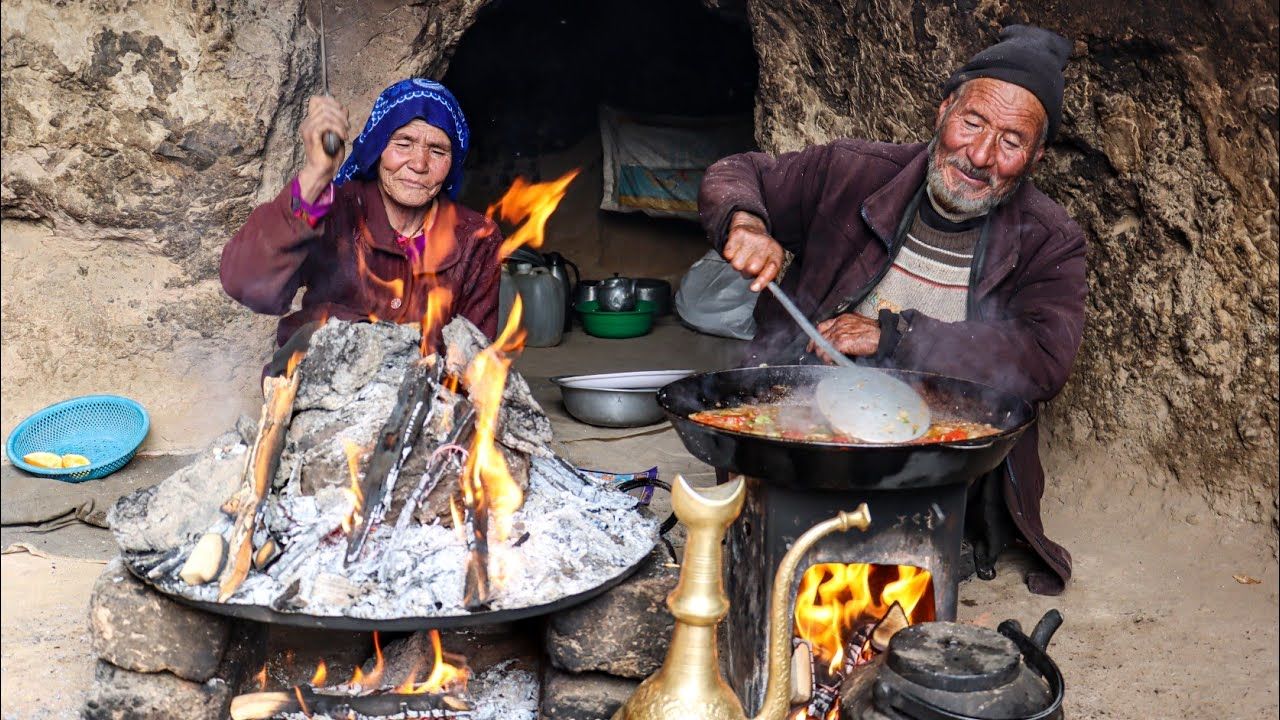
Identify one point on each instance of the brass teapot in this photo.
(689, 683)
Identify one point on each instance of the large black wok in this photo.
(840, 466)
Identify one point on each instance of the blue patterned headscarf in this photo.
(407, 100)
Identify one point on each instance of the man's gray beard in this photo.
(954, 207)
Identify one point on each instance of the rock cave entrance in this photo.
(532, 77)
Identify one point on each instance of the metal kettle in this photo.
(559, 266)
(617, 294)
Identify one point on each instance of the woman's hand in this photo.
(751, 251)
(324, 114)
(851, 334)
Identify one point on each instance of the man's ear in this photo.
(942, 111)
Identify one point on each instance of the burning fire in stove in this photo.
(440, 694)
(845, 615)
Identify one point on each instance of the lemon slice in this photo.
(43, 459)
(71, 460)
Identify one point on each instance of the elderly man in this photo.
(941, 257)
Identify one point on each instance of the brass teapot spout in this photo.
(689, 683)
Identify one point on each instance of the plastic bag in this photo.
(715, 299)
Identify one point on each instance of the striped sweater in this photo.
(930, 273)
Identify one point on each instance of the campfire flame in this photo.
(443, 675)
(302, 702)
(353, 517)
(835, 598)
(379, 664)
(321, 673)
(260, 677)
(438, 229)
(486, 481)
(382, 288)
(439, 303)
(532, 204)
(292, 365)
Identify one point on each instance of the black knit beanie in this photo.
(1028, 56)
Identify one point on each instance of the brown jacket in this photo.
(838, 208)
(351, 275)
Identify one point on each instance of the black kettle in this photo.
(951, 671)
(559, 265)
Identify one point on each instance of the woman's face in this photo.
(415, 163)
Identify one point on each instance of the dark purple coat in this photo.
(838, 207)
(351, 275)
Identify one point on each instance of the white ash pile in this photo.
(339, 505)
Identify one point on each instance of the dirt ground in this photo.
(1156, 624)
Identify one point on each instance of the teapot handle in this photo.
(577, 277)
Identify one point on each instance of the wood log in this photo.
(856, 647)
(825, 697)
(893, 621)
(260, 469)
(475, 527)
(801, 673)
(302, 698)
(442, 461)
(394, 442)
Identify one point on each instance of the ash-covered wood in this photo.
(303, 699)
(260, 470)
(569, 537)
(441, 471)
(394, 441)
(522, 424)
(475, 528)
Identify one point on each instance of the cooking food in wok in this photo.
(801, 421)
(956, 405)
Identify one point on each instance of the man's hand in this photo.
(323, 114)
(851, 334)
(751, 251)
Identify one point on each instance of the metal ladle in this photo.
(862, 402)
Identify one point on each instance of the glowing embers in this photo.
(844, 616)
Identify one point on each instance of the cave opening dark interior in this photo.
(531, 77)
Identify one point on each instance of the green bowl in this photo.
(601, 323)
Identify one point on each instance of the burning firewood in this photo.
(260, 470)
(303, 699)
(475, 529)
(825, 699)
(856, 650)
(394, 442)
(448, 457)
(894, 620)
(801, 673)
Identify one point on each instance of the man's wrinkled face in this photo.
(988, 138)
(413, 167)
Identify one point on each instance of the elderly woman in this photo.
(371, 236)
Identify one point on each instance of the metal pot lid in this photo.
(954, 657)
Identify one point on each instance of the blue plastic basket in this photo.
(107, 429)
